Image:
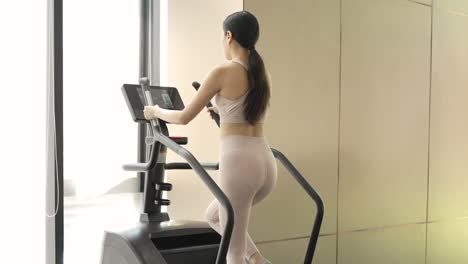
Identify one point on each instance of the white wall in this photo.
(194, 48)
(23, 34)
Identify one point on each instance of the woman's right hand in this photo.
(213, 108)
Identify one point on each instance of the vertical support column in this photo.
(144, 55)
(155, 42)
(54, 174)
(144, 37)
(149, 63)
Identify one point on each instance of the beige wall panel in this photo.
(448, 182)
(384, 113)
(195, 47)
(447, 242)
(293, 251)
(300, 45)
(453, 7)
(402, 245)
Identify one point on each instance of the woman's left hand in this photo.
(152, 112)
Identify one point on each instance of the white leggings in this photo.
(248, 174)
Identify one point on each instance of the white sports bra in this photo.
(232, 111)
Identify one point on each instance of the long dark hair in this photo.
(245, 30)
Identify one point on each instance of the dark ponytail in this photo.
(245, 30)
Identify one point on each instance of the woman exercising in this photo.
(241, 89)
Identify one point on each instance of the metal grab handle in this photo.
(146, 166)
(186, 166)
(145, 83)
(313, 194)
(213, 114)
(212, 186)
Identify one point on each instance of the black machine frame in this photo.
(152, 211)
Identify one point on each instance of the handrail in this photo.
(186, 166)
(147, 166)
(314, 195)
(212, 186)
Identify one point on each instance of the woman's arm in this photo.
(210, 86)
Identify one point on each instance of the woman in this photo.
(248, 170)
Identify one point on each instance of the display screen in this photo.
(164, 97)
(160, 97)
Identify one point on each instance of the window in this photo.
(101, 53)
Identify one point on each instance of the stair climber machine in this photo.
(157, 239)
